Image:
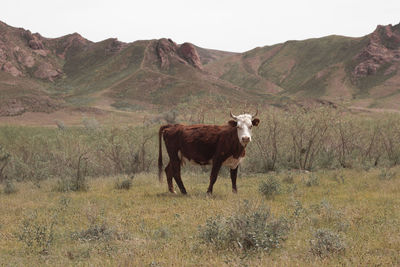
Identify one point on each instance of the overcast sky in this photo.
(235, 26)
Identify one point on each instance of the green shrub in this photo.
(248, 229)
(325, 242)
(270, 187)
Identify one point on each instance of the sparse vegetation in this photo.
(250, 228)
(386, 174)
(9, 187)
(326, 243)
(4, 160)
(339, 176)
(146, 224)
(37, 232)
(123, 184)
(270, 187)
(312, 180)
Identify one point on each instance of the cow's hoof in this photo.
(173, 192)
(234, 191)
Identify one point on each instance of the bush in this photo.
(289, 179)
(249, 229)
(386, 174)
(270, 187)
(326, 242)
(72, 184)
(96, 232)
(312, 180)
(4, 160)
(37, 233)
(99, 229)
(9, 187)
(90, 124)
(124, 184)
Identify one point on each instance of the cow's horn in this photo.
(255, 114)
(233, 116)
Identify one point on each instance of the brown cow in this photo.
(205, 144)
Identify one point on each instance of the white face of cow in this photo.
(244, 128)
(244, 123)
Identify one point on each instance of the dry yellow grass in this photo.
(145, 226)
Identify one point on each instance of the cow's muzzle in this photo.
(245, 139)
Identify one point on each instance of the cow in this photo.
(205, 145)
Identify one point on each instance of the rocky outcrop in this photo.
(48, 72)
(383, 48)
(115, 46)
(11, 69)
(34, 40)
(70, 44)
(188, 52)
(185, 53)
(23, 57)
(165, 48)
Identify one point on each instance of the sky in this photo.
(235, 26)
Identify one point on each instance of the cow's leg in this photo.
(214, 174)
(169, 173)
(233, 178)
(177, 175)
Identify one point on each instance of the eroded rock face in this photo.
(188, 52)
(24, 58)
(47, 71)
(34, 40)
(165, 48)
(115, 46)
(11, 69)
(185, 53)
(3, 54)
(383, 48)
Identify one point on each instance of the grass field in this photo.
(146, 226)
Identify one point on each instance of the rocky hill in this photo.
(39, 74)
(363, 71)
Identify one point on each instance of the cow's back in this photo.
(198, 143)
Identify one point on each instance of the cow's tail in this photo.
(160, 163)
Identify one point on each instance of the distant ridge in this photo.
(39, 74)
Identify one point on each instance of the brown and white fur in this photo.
(205, 145)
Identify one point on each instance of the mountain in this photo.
(39, 74)
(364, 71)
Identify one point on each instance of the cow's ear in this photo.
(232, 123)
(255, 122)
